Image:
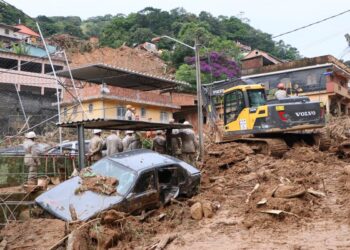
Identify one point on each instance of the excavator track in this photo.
(322, 141)
(269, 146)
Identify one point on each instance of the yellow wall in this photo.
(108, 109)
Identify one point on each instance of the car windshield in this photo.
(125, 176)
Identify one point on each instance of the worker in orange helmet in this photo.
(281, 92)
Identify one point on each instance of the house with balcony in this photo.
(322, 78)
(106, 91)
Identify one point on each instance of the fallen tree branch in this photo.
(251, 192)
(165, 241)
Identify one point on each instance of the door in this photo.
(145, 193)
(236, 113)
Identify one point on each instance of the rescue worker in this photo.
(136, 117)
(114, 143)
(129, 115)
(189, 145)
(31, 159)
(281, 92)
(175, 141)
(95, 146)
(127, 140)
(159, 143)
(135, 141)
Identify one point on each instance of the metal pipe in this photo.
(57, 84)
(81, 146)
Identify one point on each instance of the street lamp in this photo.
(199, 90)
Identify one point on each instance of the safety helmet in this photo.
(129, 132)
(128, 106)
(30, 135)
(171, 121)
(187, 123)
(159, 132)
(281, 85)
(97, 131)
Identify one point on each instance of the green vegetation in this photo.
(216, 34)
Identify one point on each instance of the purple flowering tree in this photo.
(217, 65)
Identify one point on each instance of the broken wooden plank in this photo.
(165, 241)
(251, 192)
(316, 193)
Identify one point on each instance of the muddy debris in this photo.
(98, 184)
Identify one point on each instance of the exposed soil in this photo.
(299, 201)
(33, 234)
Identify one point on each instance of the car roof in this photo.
(141, 159)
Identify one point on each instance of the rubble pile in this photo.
(96, 183)
(338, 128)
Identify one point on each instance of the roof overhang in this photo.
(114, 124)
(120, 77)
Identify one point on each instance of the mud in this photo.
(38, 234)
(309, 187)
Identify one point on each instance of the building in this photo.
(322, 78)
(36, 91)
(28, 35)
(8, 34)
(257, 59)
(98, 102)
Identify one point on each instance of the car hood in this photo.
(87, 204)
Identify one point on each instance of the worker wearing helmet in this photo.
(114, 143)
(281, 92)
(127, 140)
(159, 143)
(175, 141)
(129, 114)
(31, 159)
(189, 145)
(95, 146)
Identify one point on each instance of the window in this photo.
(121, 112)
(145, 183)
(143, 112)
(7, 31)
(256, 98)
(234, 103)
(91, 107)
(164, 116)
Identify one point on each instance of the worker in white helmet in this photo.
(95, 146)
(159, 143)
(114, 143)
(31, 159)
(189, 145)
(127, 140)
(175, 141)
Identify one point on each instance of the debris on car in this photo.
(141, 179)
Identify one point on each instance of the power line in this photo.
(311, 24)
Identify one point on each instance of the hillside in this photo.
(218, 35)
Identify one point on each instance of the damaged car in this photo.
(142, 179)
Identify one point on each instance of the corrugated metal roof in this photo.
(114, 124)
(120, 77)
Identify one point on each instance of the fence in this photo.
(13, 172)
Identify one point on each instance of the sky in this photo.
(271, 16)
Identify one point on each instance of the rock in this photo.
(197, 211)
(207, 209)
(347, 169)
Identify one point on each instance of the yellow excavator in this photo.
(272, 126)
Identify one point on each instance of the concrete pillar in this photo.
(339, 108)
(328, 106)
(42, 90)
(19, 65)
(43, 68)
(81, 146)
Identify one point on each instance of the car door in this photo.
(145, 193)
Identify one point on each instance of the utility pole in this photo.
(199, 100)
